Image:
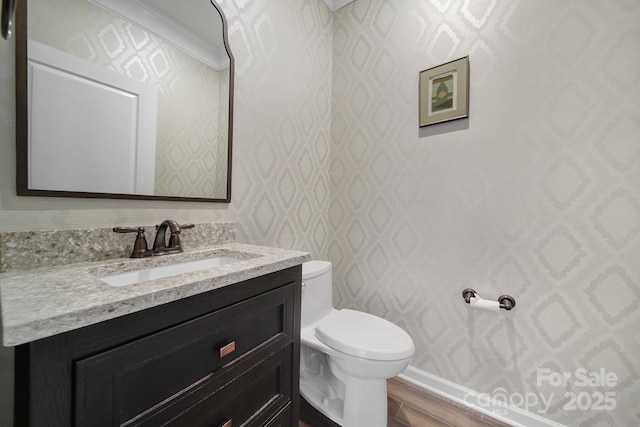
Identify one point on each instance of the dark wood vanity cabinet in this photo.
(227, 357)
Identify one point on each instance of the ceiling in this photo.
(166, 19)
(199, 34)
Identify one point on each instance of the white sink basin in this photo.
(138, 276)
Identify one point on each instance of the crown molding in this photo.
(202, 45)
(337, 4)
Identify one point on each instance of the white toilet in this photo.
(346, 356)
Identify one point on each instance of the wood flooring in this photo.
(412, 406)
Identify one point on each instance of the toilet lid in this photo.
(364, 335)
(311, 269)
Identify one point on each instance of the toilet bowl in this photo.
(346, 356)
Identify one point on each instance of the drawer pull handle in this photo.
(225, 351)
(227, 424)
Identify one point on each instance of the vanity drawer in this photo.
(122, 384)
(256, 398)
(283, 419)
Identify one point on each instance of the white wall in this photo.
(537, 195)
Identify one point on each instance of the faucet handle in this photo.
(174, 239)
(140, 248)
(182, 226)
(128, 229)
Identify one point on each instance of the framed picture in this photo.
(444, 92)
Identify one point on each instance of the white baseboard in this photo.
(480, 402)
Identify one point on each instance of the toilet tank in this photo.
(317, 292)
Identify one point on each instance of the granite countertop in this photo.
(47, 301)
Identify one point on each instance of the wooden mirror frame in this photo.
(22, 123)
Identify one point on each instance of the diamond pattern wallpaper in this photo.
(186, 112)
(536, 195)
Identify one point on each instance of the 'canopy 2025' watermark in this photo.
(596, 392)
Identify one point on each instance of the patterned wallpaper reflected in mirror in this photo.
(192, 117)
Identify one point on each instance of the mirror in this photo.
(128, 99)
(6, 26)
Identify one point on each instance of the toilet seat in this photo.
(364, 335)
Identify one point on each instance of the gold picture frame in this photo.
(444, 92)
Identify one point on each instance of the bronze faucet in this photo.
(160, 243)
(160, 246)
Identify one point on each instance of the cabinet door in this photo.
(127, 383)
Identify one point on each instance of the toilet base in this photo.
(374, 416)
(350, 391)
(364, 393)
(343, 406)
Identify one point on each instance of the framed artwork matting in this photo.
(444, 92)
